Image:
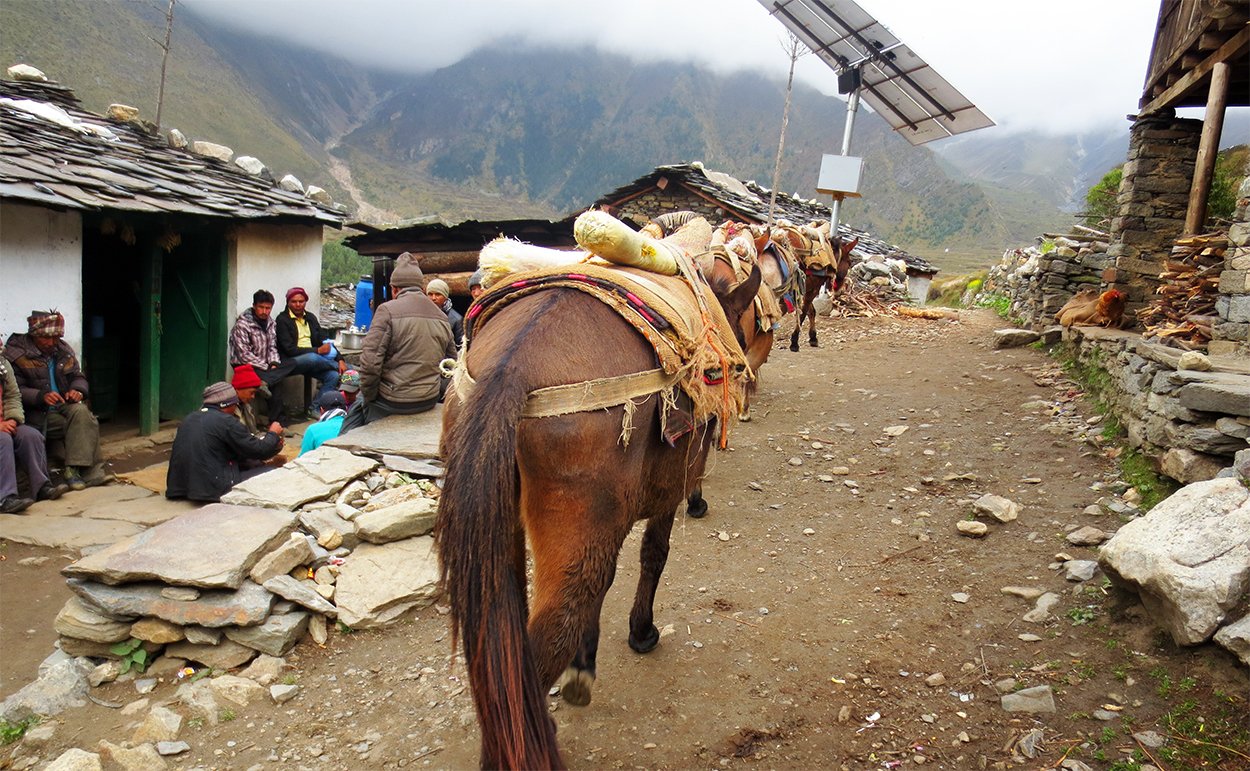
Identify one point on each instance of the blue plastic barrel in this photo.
(364, 296)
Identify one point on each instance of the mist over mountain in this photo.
(511, 131)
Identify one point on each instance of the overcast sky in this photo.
(1061, 64)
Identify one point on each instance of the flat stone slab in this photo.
(334, 466)
(424, 468)
(287, 488)
(77, 502)
(65, 532)
(1227, 398)
(148, 511)
(410, 436)
(247, 606)
(213, 548)
(378, 584)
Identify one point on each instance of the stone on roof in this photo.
(55, 153)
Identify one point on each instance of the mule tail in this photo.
(478, 530)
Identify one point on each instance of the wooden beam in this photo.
(150, 340)
(1208, 149)
(1235, 46)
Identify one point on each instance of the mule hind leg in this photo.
(643, 636)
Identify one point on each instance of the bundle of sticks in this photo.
(1183, 310)
(859, 299)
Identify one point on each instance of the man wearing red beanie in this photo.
(246, 382)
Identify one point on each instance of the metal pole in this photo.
(852, 107)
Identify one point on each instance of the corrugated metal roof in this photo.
(749, 201)
(77, 166)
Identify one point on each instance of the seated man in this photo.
(333, 407)
(254, 341)
(399, 366)
(349, 386)
(54, 390)
(19, 443)
(246, 383)
(439, 294)
(303, 345)
(212, 446)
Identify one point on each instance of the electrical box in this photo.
(840, 175)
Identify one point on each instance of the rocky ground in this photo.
(828, 612)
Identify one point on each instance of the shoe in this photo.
(73, 479)
(50, 492)
(13, 504)
(97, 475)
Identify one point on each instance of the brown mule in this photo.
(568, 485)
(813, 281)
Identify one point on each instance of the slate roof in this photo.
(749, 201)
(434, 234)
(44, 163)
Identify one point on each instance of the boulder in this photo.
(379, 583)
(59, 687)
(224, 655)
(246, 607)
(1236, 638)
(82, 621)
(1187, 466)
(277, 636)
(75, 759)
(1188, 558)
(142, 757)
(301, 593)
(284, 559)
(160, 725)
(1014, 338)
(236, 690)
(393, 523)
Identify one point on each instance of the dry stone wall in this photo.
(1231, 332)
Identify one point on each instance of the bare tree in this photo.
(169, 29)
(794, 49)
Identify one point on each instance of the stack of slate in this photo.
(1040, 279)
(339, 537)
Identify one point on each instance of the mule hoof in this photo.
(812, 342)
(647, 644)
(744, 417)
(697, 510)
(576, 687)
(794, 347)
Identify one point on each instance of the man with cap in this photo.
(20, 446)
(302, 344)
(399, 365)
(54, 392)
(333, 408)
(212, 448)
(349, 386)
(246, 383)
(440, 294)
(475, 284)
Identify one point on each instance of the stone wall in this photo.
(1189, 420)
(1231, 333)
(1153, 198)
(673, 198)
(1040, 279)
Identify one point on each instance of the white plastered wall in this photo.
(274, 257)
(40, 267)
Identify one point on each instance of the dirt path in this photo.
(807, 619)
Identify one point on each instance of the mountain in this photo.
(513, 132)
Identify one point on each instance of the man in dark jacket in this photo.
(211, 446)
(54, 392)
(20, 447)
(302, 344)
(440, 294)
(399, 366)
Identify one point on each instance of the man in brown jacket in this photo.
(408, 337)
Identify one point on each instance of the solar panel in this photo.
(901, 88)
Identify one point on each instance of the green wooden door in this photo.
(192, 323)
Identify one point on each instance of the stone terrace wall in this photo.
(1231, 334)
(1039, 280)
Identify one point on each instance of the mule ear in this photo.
(847, 249)
(740, 297)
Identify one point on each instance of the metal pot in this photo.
(351, 340)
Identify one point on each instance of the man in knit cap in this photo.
(408, 337)
(304, 346)
(475, 284)
(212, 449)
(440, 294)
(54, 392)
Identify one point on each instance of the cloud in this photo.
(1060, 66)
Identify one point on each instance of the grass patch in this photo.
(12, 731)
(950, 292)
(1208, 736)
(1140, 472)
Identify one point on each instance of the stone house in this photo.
(150, 248)
(1200, 58)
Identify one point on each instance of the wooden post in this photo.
(150, 340)
(1208, 149)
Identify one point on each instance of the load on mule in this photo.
(587, 399)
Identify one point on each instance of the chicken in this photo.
(1088, 308)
